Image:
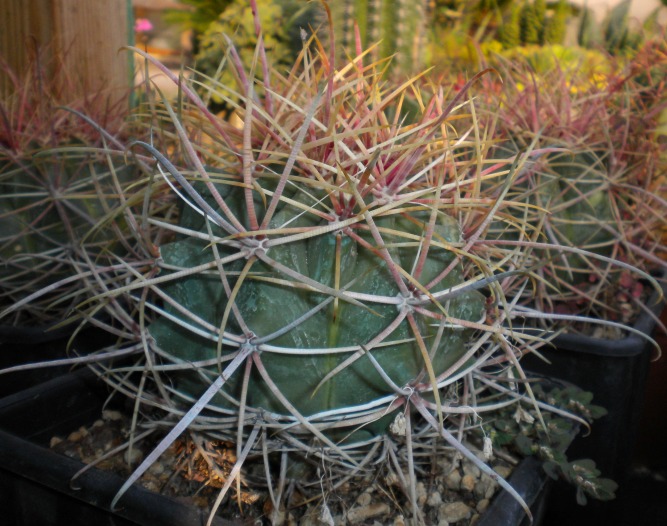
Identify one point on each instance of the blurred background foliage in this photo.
(449, 35)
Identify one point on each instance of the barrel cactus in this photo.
(575, 220)
(590, 182)
(328, 283)
(314, 301)
(328, 269)
(573, 188)
(57, 185)
(52, 205)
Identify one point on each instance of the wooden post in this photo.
(79, 42)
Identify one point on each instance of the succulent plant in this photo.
(394, 27)
(329, 274)
(333, 288)
(57, 184)
(597, 181)
(548, 437)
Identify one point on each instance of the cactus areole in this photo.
(304, 332)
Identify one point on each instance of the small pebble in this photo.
(156, 469)
(482, 505)
(421, 494)
(360, 514)
(113, 416)
(75, 436)
(399, 521)
(278, 517)
(468, 483)
(491, 488)
(151, 485)
(364, 499)
(485, 488)
(454, 511)
(392, 479)
(132, 456)
(453, 480)
(472, 470)
(55, 441)
(434, 499)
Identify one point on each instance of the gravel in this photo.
(451, 492)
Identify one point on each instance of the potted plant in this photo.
(62, 172)
(57, 183)
(331, 293)
(601, 185)
(73, 413)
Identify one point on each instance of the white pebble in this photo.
(454, 511)
(108, 414)
(362, 513)
(132, 456)
(434, 499)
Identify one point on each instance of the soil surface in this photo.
(450, 491)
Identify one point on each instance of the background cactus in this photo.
(531, 24)
(50, 208)
(57, 185)
(592, 177)
(556, 25)
(509, 33)
(398, 27)
(572, 186)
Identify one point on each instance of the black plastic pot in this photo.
(533, 484)
(615, 371)
(20, 345)
(32, 335)
(35, 481)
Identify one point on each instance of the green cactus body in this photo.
(574, 189)
(555, 27)
(396, 26)
(267, 307)
(531, 25)
(31, 207)
(570, 189)
(510, 31)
